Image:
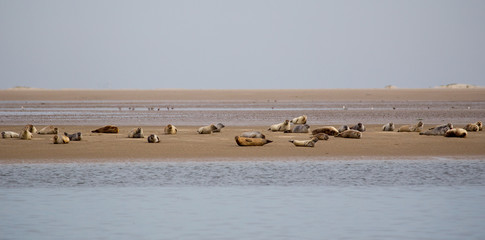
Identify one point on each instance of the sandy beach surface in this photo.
(240, 110)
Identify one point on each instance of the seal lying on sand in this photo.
(281, 127)
(219, 126)
(253, 134)
(359, 127)
(207, 129)
(153, 138)
(243, 141)
(107, 129)
(26, 135)
(74, 137)
(332, 131)
(30, 128)
(305, 143)
(320, 136)
(299, 129)
(170, 129)
(351, 133)
(58, 139)
(343, 128)
(472, 127)
(456, 132)
(10, 134)
(388, 127)
(415, 128)
(480, 125)
(136, 133)
(299, 120)
(438, 130)
(48, 130)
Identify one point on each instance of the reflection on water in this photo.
(399, 199)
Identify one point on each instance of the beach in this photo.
(240, 110)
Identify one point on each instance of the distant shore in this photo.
(425, 94)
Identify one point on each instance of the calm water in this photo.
(337, 199)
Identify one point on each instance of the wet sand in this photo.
(188, 145)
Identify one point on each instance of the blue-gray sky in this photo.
(246, 44)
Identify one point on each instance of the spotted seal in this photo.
(299, 120)
(107, 129)
(418, 127)
(219, 126)
(207, 129)
(10, 134)
(244, 141)
(60, 139)
(359, 127)
(305, 143)
(170, 129)
(456, 132)
(74, 137)
(332, 131)
(389, 127)
(281, 127)
(299, 129)
(136, 133)
(351, 133)
(153, 138)
(26, 135)
(48, 130)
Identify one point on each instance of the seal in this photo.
(305, 143)
(48, 130)
(415, 128)
(26, 134)
(136, 133)
(253, 134)
(320, 136)
(351, 133)
(299, 129)
(388, 127)
(74, 137)
(332, 131)
(359, 127)
(281, 127)
(343, 128)
(170, 129)
(299, 120)
(10, 134)
(58, 139)
(472, 127)
(456, 132)
(219, 126)
(107, 129)
(243, 141)
(438, 130)
(207, 129)
(30, 128)
(153, 138)
(480, 126)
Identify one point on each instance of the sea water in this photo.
(305, 199)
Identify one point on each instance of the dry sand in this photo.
(188, 145)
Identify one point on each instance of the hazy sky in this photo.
(241, 44)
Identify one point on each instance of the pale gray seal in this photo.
(253, 134)
(219, 126)
(359, 127)
(438, 130)
(207, 129)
